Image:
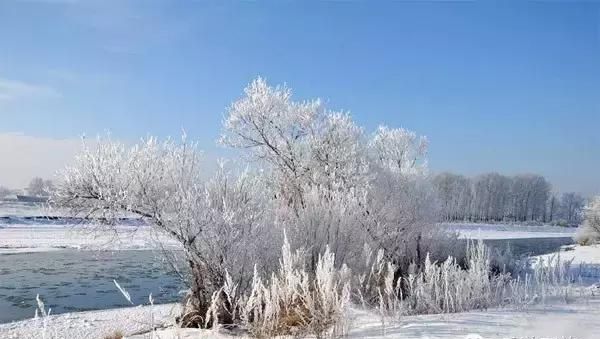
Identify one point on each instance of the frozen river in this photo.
(70, 280)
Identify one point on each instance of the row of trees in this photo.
(496, 197)
(37, 186)
(40, 187)
(589, 232)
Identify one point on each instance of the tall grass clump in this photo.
(293, 300)
(450, 286)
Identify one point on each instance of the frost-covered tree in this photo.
(589, 231)
(332, 182)
(399, 150)
(218, 223)
(529, 195)
(490, 195)
(571, 208)
(4, 192)
(455, 195)
(40, 187)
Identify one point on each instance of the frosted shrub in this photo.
(217, 222)
(447, 286)
(589, 232)
(327, 219)
(551, 277)
(339, 186)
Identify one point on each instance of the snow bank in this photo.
(579, 254)
(508, 231)
(93, 324)
(577, 320)
(550, 321)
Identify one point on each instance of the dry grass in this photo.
(115, 335)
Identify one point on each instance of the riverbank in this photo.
(577, 318)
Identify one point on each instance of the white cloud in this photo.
(11, 90)
(23, 157)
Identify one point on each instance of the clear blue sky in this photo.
(512, 87)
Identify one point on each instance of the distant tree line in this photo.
(37, 187)
(40, 187)
(496, 197)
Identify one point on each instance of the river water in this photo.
(71, 280)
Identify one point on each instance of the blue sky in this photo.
(512, 87)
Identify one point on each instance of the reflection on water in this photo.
(72, 280)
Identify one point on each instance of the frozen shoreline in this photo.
(508, 231)
(41, 238)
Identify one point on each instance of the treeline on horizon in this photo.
(493, 197)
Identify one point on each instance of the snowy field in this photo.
(508, 231)
(92, 324)
(557, 320)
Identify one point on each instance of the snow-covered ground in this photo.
(36, 238)
(579, 254)
(92, 324)
(508, 231)
(26, 227)
(579, 320)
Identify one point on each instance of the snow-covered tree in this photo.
(335, 181)
(571, 208)
(455, 194)
(589, 231)
(40, 187)
(399, 150)
(218, 223)
(4, 192)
